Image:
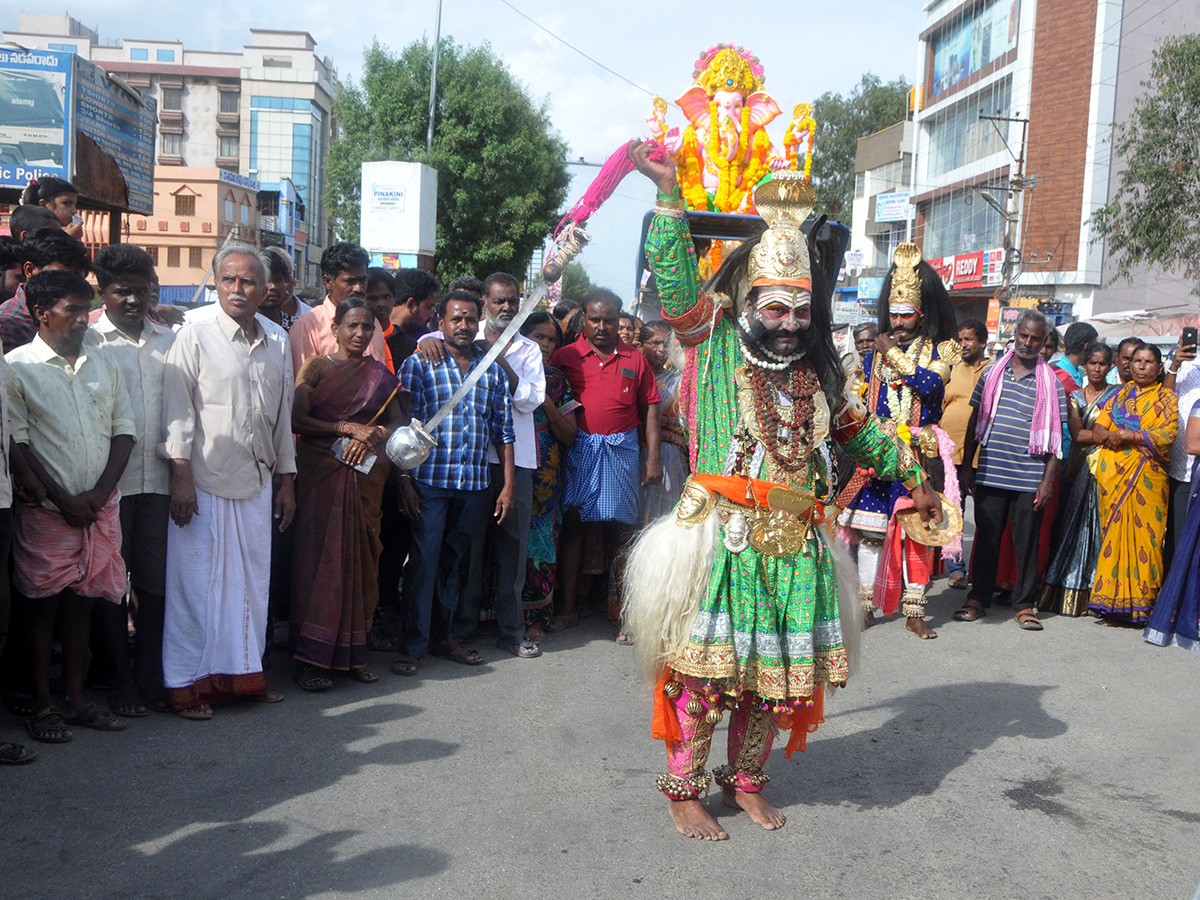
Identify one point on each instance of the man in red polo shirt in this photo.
(615, 387)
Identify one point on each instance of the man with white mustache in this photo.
(227, 416)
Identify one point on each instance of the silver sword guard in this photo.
(409, 445)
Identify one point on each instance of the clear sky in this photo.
(807, 48)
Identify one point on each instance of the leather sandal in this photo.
(971, 610)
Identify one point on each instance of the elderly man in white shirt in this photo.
(227, 401)
(522, 362)
(139, 346)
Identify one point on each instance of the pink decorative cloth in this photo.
(1045, 432)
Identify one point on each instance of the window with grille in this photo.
(185, 205)
(153, 251)
(172, 257)
(230, 101)
(172, 144)
(172, 98)
(229, 146)
(195, 258)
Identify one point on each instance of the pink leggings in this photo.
(750, 736)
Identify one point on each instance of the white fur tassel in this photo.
(666, 575)
(849, 605)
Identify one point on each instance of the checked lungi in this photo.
(603, 477)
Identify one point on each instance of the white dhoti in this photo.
(218, 575)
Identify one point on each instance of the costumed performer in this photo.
(734, 597)
(908, 368)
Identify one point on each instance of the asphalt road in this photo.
(988, 763)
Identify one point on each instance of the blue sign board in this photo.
(869, 289)
(35, 115)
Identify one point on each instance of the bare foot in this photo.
(692, 820)
(761, 812)
(920, 629)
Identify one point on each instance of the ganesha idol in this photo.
(725, 150)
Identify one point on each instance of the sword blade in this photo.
(531, 301)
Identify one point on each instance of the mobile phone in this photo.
(1189, 337)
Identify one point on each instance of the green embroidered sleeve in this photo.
(875, 445)
(672, 258)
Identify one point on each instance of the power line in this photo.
(576, 49)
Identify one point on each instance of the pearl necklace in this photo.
(785, 362)
(780, 362)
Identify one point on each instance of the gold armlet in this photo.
(916, 479)
(899, 361)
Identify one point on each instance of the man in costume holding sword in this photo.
(735, 599)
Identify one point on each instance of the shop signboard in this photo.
(61, 115)
(968, 271)
(869, 288)
(893, 207)
(399, 208)
(35, 115)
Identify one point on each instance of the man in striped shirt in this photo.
(1011, 483)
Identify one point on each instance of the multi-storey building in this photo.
(1040, 82)
(263, 112)
(882, 214)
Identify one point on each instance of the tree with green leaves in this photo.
(575, 283)
(502, 173)
(1153, 219)
(841, 121)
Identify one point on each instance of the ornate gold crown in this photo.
(781, 255)
(906, 282)
(729, 71)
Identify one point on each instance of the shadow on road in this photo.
(931, 733)
(229, 812)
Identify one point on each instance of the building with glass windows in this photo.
(263, 113)
(1046, 80)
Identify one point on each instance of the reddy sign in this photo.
(969, 271)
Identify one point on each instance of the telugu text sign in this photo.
(35, 115)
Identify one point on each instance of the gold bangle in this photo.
(899, 361)
(915, 480)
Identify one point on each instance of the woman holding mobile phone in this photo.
(346, 404)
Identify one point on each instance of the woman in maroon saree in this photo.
(344, 402)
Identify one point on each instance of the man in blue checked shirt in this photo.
(452, 484)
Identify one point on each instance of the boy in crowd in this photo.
(139, 346)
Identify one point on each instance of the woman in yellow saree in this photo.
(1135, 432)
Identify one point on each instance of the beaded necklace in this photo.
(783, 432)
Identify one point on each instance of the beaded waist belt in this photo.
(773, 519)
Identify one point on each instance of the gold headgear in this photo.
(781, 255)
(729, 71)
(906, 282)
